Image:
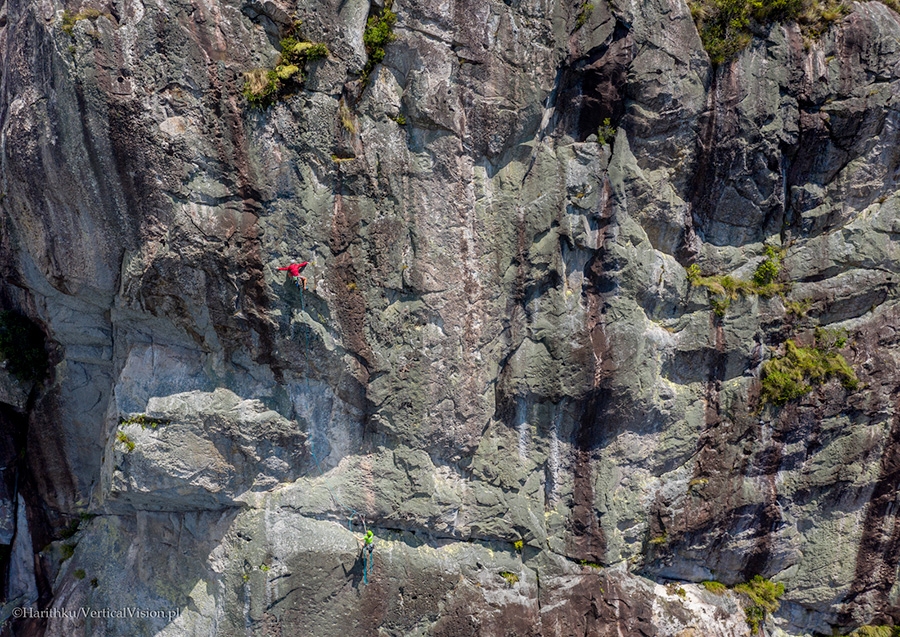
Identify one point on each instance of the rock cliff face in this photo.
(499, 364)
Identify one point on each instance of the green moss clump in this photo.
(793, 375)
(79, 573)
(511, 578)
(518, 545)
(714, 587)
(584, 14)
(263, 87)
(378, 34)
(764, 596)
(727, 26)
(22, 347)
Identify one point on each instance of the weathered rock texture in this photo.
(498, 344)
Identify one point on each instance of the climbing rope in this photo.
(368, 557)
(305, 330)
(353, 513)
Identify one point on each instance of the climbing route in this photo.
(294, 270)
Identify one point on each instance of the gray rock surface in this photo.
(498, 343)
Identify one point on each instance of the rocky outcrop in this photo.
(499, 364)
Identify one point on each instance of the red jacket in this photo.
(294, 269)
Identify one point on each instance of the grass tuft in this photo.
(764, 595)
(793, 375)
(714, 587)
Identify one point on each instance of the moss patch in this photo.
(263, 87)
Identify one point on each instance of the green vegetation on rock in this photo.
(79, 573)
(793, 375)
(764, 596)
(378, 34)
(144, 421)
(725, 288)
(727, 26)
(262, 87)
(714, 587)
(584, 14)
(876, 631)
(69, 19)
(511, 578)
(606, 132)
(125, 439)
(22, 346)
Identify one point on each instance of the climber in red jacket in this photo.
(294, 269)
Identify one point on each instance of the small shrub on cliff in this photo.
(584, 14)
(764, 596)
(378, 34)
(793, 375)
(606, 132)
(767, 271)
(66, 551)
(22, 347)
(511, 578)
